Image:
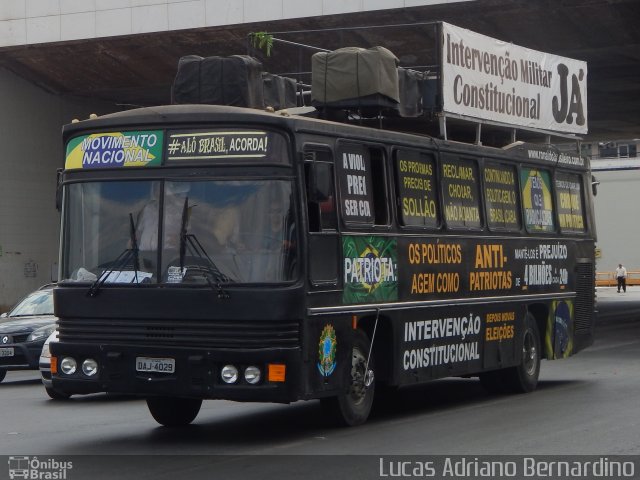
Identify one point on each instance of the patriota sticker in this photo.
(327, 351)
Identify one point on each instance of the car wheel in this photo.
(3, 373)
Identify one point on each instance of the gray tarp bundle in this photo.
(234, 80)
(418, 92)
(279, 92)
(355, 77)
(410, 82)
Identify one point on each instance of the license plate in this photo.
(6, 352)
(161, 365)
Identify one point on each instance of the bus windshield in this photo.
(177, 232)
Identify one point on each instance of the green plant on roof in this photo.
(262, 41)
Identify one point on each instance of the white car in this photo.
(45, 369)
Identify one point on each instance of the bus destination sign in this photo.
(219, 145)
(115, 150)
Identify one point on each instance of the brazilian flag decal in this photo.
(559, 337)
(537, 201)
(370, 269)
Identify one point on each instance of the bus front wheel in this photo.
(353, 407)
(56, 394)
(172, 411)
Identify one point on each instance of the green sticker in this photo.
(370, 269)
(115, 150)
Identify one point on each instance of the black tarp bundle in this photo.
(234, 80)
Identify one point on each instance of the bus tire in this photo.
(174, 411)
(353, 407)
(56, 394)
(523, 378)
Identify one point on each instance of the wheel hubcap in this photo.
(360, 378)
(529, 353)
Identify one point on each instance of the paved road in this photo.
(584, 405)
(614, 306)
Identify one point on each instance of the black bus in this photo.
(212, 252)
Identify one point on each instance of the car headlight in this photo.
(40, 333)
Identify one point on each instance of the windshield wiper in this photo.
(121, 261)
(190, 242)
(134, 246)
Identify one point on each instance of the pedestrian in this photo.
(621, 275)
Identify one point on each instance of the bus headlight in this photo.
(68, 365)
(229, 374)
(252, 375)
(89, 367)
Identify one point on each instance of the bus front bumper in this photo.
(180, 372)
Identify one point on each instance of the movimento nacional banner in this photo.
(494, 80)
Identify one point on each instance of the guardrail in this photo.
(608, 279)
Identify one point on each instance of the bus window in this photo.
(246, 228)
(501, 197)
(381, 212)
(356, 186)
(321, 195)
(416, 182)
(569, 198)
(460, 193)
(323, 221)
(99, 215)
(239, 231)
(537, 200)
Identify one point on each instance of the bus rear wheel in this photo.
(353, 407)
(173, 411)
(523, 378)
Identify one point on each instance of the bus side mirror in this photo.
(594, 185)
(58, 189)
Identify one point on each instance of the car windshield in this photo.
(179, 232)
(37, 303)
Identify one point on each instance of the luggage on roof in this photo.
(417, 92)
(234, 80)
(279, 92)
(355, 77)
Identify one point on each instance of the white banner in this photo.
(493, 80)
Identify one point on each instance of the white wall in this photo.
(31, 150)
(617, 219)
(25, 22)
